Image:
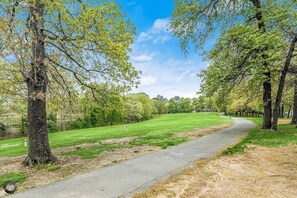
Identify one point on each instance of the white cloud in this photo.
(182, 76)
(161, 39)
(171, 77)
(142, 58)
(161, 25)
(144, 36)
(158, 33)
(148, 80)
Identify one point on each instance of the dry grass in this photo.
(202, 131)
(261, 172)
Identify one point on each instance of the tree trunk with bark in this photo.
(267, 115)
(267, 105)
(39, 150)
(282, 83)
(294, 119)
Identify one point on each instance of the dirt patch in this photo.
(284, 121)
(108, 141)
(261, 172)
(202, 131)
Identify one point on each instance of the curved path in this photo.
(139, 173)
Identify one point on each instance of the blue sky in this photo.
(165, 69)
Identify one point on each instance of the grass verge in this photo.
(285, 135)
(17, 177)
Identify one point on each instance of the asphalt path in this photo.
(124, 179)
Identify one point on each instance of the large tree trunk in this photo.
(282, 83)
(267, 105)
(267, 115)
(294, 119)
(39, 150)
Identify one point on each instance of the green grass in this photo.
(285, 135)
(162, 126)
(163, 140)
(17, 177)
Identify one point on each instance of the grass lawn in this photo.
(157, 132)
(286, 135)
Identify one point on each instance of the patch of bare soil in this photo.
(108, 141)
(202, 131)
(284, 121)
(261, 172)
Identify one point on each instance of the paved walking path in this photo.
(124, 178)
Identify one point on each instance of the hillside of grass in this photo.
(154, 131)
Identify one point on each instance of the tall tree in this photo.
(88, 40)
(282, 82)
(196, 21)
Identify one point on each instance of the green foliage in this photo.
(165, 124)
(184, 105)
(285, 136)
(144, 99)
(80, 124)
(172, 107)
(52, 123)
(133, 108)
(17, 177)
(2, 127)
(159, 105)
(235, 59)
(251, 50)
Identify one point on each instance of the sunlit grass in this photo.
(162, 126)
(284, 136)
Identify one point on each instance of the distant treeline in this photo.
(112, 109)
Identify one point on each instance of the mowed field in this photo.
(157, 131)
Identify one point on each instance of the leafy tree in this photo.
(265, 22)
(146, 104)
(160, 105)
(198, 104)
(172, 108)
(133, 108)
(184, 105)
(87, 40)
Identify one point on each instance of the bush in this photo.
(52, 123)
(80, 124)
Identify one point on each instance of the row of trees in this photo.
(253, 63)
(110, 109)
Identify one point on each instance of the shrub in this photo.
(52, 123)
